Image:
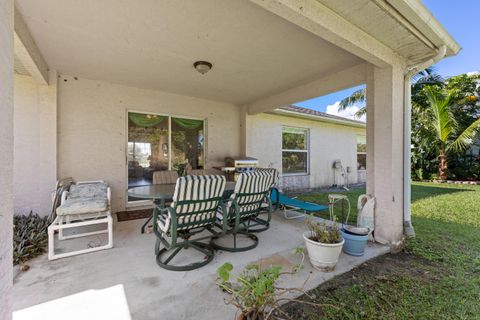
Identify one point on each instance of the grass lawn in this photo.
(437, 276)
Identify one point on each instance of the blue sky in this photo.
(460, 19)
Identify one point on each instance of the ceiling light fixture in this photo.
(202, 66)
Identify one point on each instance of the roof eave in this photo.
(415, 12)
(345, 122)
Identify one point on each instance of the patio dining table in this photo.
(161, 193)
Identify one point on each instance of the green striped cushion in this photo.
(195, 201)
(250, 191)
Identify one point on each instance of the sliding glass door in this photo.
(147, 147)
(149, 139)
(187, 143)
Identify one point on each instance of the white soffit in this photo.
(153, 44)
(19, 67)
(405, 26)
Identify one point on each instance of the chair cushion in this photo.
(259, 182)
(163, 221)
(88, 190)
(195, 201)
(82, 206)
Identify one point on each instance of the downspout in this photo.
(407, 118)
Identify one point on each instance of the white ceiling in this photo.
(153, 44)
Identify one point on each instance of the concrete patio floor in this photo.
(154, 293)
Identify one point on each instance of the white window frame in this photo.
(364, 137)
(307, 151)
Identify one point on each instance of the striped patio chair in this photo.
(267, 204)
(243, 208)
(193, 210)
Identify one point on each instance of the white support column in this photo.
(385, 152)
(6, 157)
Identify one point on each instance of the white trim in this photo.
(346, 122)
(361, 152)
(295, 174)
(294, 150)
(169, 143)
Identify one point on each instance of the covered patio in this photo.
(79, 69)
(152, 292)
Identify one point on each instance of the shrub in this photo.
(256, 293)
(30, 237)
(466, 167)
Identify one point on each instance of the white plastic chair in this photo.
(87, 203)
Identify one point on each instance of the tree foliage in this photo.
(445, 121)
(424, 77)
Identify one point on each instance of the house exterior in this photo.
(329, 138)
(83, 67)
(70, 141)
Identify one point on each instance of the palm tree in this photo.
(447, 135)
(427, 76)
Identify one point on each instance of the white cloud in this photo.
(349, 112)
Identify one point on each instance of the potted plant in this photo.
(355, 240)
(324, 244)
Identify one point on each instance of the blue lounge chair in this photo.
(281, 200)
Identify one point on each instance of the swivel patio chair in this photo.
(161, 177)
(242, 209)
(192, 211)
(267, 205)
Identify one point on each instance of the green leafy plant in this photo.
(419, 174)
(427, 76)
(323, 232)
(255, 292)
(449, 136)
(30, 237)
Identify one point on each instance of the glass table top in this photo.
(164, 191)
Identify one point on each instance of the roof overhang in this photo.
(405, 26)
(295, 47)
(422, 19)
(343, 122)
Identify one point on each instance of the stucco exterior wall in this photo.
(328, 142)
(35, 145)
(92, 128)
(6, 157)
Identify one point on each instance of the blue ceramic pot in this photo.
(354, 244)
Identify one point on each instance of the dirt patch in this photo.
(371, 277)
